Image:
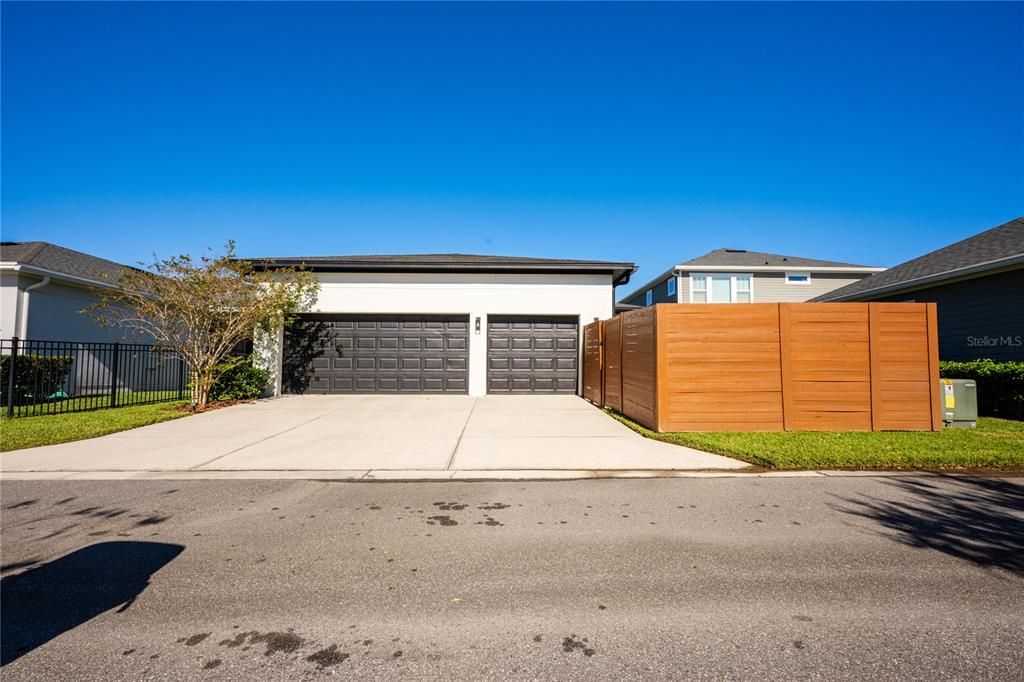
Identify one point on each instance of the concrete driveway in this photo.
(375, 435)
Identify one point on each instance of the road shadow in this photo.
(48, 600)
(980, 520)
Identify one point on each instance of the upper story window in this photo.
(721, 288)
(671, 285)
(649, 297)
(798, 278)
(741, 289)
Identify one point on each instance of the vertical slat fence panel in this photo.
(639, 371)
(613, 363)
(901, 367)
(592, 370)
(933, 364)
(720, 367)
(826, 367)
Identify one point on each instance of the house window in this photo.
(698, 289)
(798, 278)
(671, 285)
(721, 288)
(649, 297)
(741, 289)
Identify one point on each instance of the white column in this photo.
(268, 351)
(478, 354)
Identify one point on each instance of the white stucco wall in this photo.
(9, 294)
(586, 296)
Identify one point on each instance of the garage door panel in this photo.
(377, 354)
(566, 385)
(531, 354)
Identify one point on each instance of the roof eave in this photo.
(620, 271)
(919, 282)
(63, 276)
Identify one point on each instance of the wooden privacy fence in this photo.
(768, 366)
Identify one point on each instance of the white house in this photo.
(441, 323)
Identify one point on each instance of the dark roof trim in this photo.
(968, 272)
(620, 271)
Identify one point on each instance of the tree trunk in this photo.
(202, 382)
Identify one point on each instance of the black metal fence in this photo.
(51, 377)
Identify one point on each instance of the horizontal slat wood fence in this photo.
(768, 366)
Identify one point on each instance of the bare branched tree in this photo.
(203, 308)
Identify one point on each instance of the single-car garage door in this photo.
(377, 354)
(532, 354)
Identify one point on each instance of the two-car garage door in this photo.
(377, 354)
(427, 354)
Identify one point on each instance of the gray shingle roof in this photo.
(60, 260)
(990, 249)
(448, 262)
(744, 258)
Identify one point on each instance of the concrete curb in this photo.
(384, 475)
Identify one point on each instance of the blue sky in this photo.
(646, 132)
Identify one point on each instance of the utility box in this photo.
(959, 403)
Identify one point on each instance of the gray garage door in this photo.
(377, 354)
(532, 354)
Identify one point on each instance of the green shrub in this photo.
(35, 376)
(1000, 385)
(239, 380)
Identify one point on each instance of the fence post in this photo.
(10, 376)
(113, 374)
(181, 379)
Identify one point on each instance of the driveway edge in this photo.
(424, 475)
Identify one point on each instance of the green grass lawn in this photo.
(93, 402)
(27, 432)
(996, 443)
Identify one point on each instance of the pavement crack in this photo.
(262, 440)
(451, 459)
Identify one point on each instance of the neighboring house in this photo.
(441, 323)
(977, 284)
(43, 288)
(740, 276)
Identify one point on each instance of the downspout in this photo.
(24, 305)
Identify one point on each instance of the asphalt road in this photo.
(835, 578)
